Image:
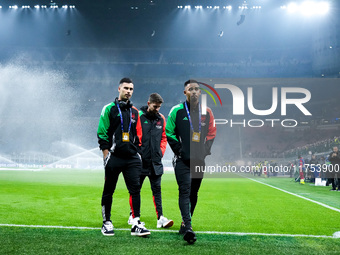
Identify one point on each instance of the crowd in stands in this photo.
(276, 143)
(316, 147)
(109, 62)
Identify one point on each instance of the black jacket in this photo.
(179, 133)
(109, 131)
(335, 161)
(153, 141)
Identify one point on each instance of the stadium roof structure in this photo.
(158, 6)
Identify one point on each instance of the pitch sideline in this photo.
(291, 193)
(173, 231)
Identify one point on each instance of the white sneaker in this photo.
(164, 222)
(130, 220)
(107, 229)
(139, 230)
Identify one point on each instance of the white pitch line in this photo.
(45, 226)
(172, 231)
(24, 169)
(308, 199)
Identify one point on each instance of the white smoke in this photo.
(35, 104)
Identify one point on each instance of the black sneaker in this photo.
(107, 229)
(139, 230)
(190, 236)
(332, 190)
(182, 229)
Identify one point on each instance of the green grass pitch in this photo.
(72, 198)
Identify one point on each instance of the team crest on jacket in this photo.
(133, 118)
(203, 121)
(159, 124)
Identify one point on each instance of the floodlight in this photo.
(292, 7)
(308, 8)
(323, 7)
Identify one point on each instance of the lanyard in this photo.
(199, 117)
(121, 119)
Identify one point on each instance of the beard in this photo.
(193, 99)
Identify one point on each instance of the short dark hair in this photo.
(126, 80)
(190, 81)
(155, 98)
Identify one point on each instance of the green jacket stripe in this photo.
(104, 122)
(171, 122)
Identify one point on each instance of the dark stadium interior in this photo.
(59, 67)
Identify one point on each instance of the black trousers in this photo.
(131, 169)
(335, 182)
(155, 182)
(188, 188)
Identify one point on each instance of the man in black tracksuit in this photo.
(334, 173)
(153, 148)
(190, 136)
(119, 136)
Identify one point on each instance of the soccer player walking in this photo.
(119, 137)
(153, 148)
(190, 136)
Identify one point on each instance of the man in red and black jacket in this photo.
(119, 136)
(190, 135)
(153, 148)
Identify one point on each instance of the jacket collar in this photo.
(123, 104)
(189, 106)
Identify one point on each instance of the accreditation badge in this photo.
(126, 137)
(196, 137)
